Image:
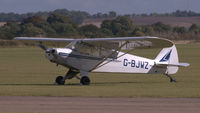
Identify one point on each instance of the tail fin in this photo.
(169, 57)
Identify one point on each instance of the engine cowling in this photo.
(54, 53)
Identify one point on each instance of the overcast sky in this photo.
(94, 6)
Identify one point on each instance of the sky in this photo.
(103, 6)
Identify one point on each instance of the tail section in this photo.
(168, 57)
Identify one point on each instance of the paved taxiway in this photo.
(99, 105)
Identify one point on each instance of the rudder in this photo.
(169, 58)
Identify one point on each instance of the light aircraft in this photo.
(103, 55)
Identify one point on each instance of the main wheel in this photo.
(85, 80)
(59, 80)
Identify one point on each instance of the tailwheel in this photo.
(171, 78)
(59, 80)
(85, 80)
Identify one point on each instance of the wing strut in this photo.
(113, 59)
(97, 66)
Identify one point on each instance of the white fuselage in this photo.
(125, 63)
(128, 63)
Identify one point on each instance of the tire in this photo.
(59, 80)
(85, 80)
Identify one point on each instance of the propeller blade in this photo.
(42, 46)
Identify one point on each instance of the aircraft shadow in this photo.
(113, 83)
(78, 84)
(26, 84)
(72, 84)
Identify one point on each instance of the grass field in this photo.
(26, 72)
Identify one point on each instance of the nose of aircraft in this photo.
(52, 51)
(50, 54)
(55, 54)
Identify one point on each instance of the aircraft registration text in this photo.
(136, 64)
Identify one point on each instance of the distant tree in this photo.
(153, 14)
(106, 32)
(63, 25)
(116, 28)
(122, 33)
(118, 25)
(194, 29)
(138, 31)
(126, 22)
(148, 30)
(76, 16)
(106, 28)
(34, 20)
(47, 28)
(179, 30)
(112, 14)
(10, 30)
(56, 18)
(64, 29)
(6, 17)
(107, 24)
(40, 23)
(179, 13)
(30, 30)
(61, 12)
(133, 15)
(160, 27)
(144, 15)
(90, 31)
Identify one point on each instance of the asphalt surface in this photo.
(99, 105)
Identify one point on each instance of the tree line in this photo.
(76, 16)
(79, 16)
(56, 25)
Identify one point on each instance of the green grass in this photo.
(26, 72)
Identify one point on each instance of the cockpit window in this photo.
(96, 50)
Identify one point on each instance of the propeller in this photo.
(42, 46)
(49, 51)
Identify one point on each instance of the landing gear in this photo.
(85, 80)
(60, 80)
(171, 78)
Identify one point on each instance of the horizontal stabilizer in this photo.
(183, 64)
(177, 65)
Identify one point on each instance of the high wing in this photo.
(132, 42)
(106, 48)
